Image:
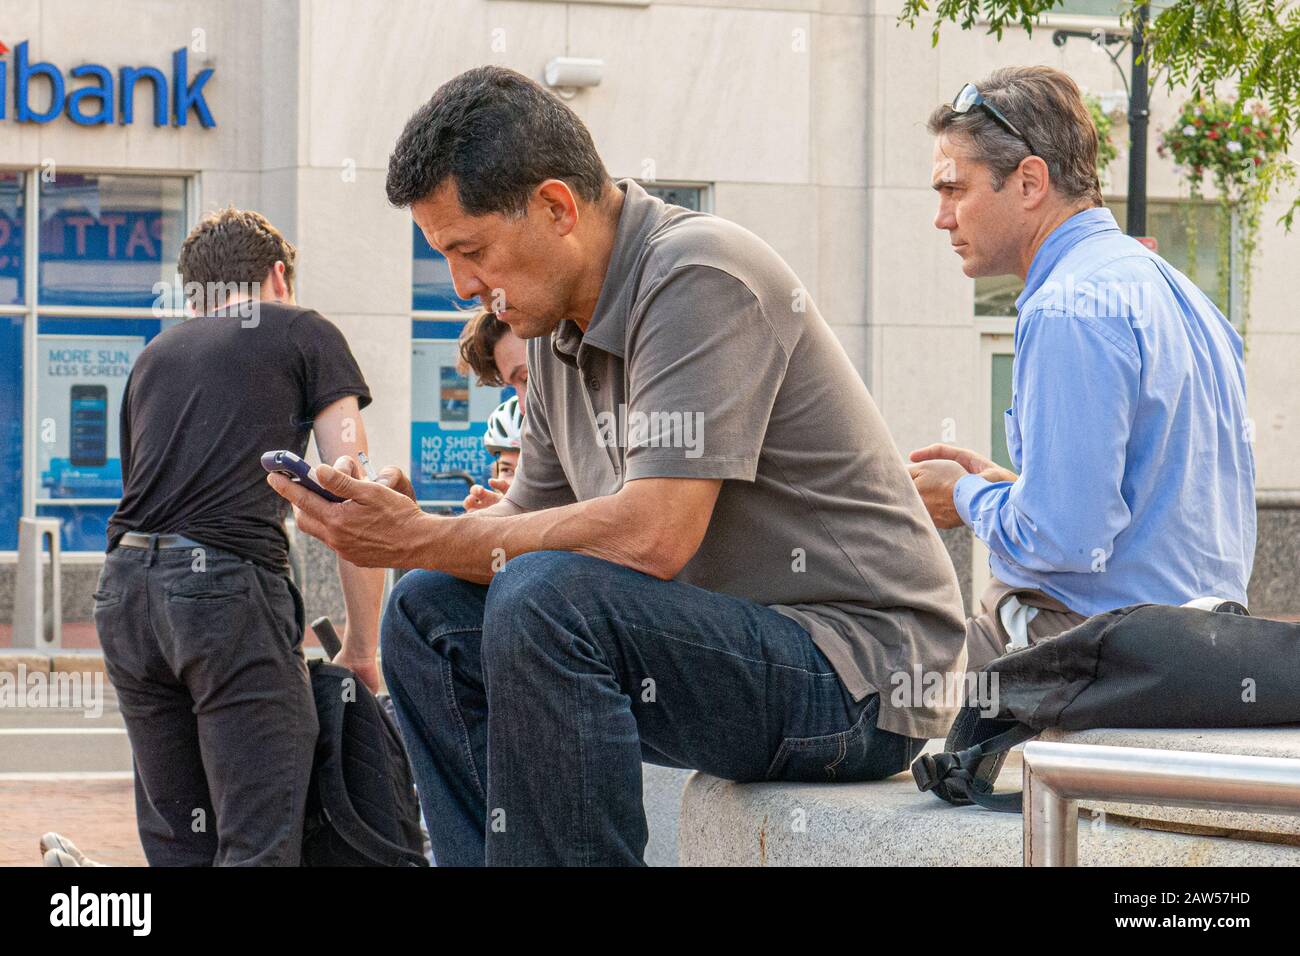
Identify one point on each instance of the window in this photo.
(1000, 363)
(431, 287)
(103, 245)
(678, 194)
(106, 240)
(449, 411)
(1168, 222)
(1102, 8)
(13, 186)
(11, 429)
(11, 238)
(81, 369)
(1089, 8)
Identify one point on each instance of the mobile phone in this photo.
(88, 445)
(295, 469)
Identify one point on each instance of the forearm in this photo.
(654, 526)
(1059, 532)
(363, 594)
(475, 546)
(982, 506)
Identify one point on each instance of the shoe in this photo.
(63, 852)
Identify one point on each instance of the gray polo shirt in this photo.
(705, 358)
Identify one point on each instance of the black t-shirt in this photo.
(205, 399)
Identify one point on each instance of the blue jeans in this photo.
(528, 706)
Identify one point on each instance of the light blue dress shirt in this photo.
(1128, 428)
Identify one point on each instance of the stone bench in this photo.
(891, 823)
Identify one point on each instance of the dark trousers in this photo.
(527, 707)
(205, 651)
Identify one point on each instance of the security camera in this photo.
(567, 74)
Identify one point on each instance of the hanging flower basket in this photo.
(1241, 149)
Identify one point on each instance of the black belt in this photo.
(154, 542)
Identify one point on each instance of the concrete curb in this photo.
(30, 661)
(56, 662)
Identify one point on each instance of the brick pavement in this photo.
(97, 815)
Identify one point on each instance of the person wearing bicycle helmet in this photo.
(503, 438)
(504, 434)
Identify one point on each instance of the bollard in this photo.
(35, 624)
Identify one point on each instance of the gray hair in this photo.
(1047, 107)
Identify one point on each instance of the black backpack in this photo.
(361, 808)
(1143, 666)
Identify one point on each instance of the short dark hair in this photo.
(478, 339)
(496, 134)
(234, 246)
(1045, 105)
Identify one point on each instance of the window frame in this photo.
(706, 189)
(996, 337)
(31, 311)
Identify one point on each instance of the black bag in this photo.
(361, 808)
(1143, 666)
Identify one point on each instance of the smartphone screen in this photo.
(89, 426)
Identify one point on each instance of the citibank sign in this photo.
(103, 98)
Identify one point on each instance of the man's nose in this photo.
(465, 282)
(944, 218)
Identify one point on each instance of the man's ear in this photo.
(277, 284)
(560, 204)
(1035, 181)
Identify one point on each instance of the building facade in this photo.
(803, 120)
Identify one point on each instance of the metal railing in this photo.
(1056, 775)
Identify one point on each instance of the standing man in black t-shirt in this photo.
(201, 627)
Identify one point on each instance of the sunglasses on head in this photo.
(970, 97)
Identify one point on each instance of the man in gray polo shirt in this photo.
(712, 555)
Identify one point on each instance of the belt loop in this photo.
(152, 553)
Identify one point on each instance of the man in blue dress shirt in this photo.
(1128, 428)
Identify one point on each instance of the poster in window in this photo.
(81, 379)
(449, 414)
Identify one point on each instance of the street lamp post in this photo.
(1139, 113)
(1139, 117)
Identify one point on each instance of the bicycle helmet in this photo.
(505, 427)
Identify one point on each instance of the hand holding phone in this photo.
(295, 469)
